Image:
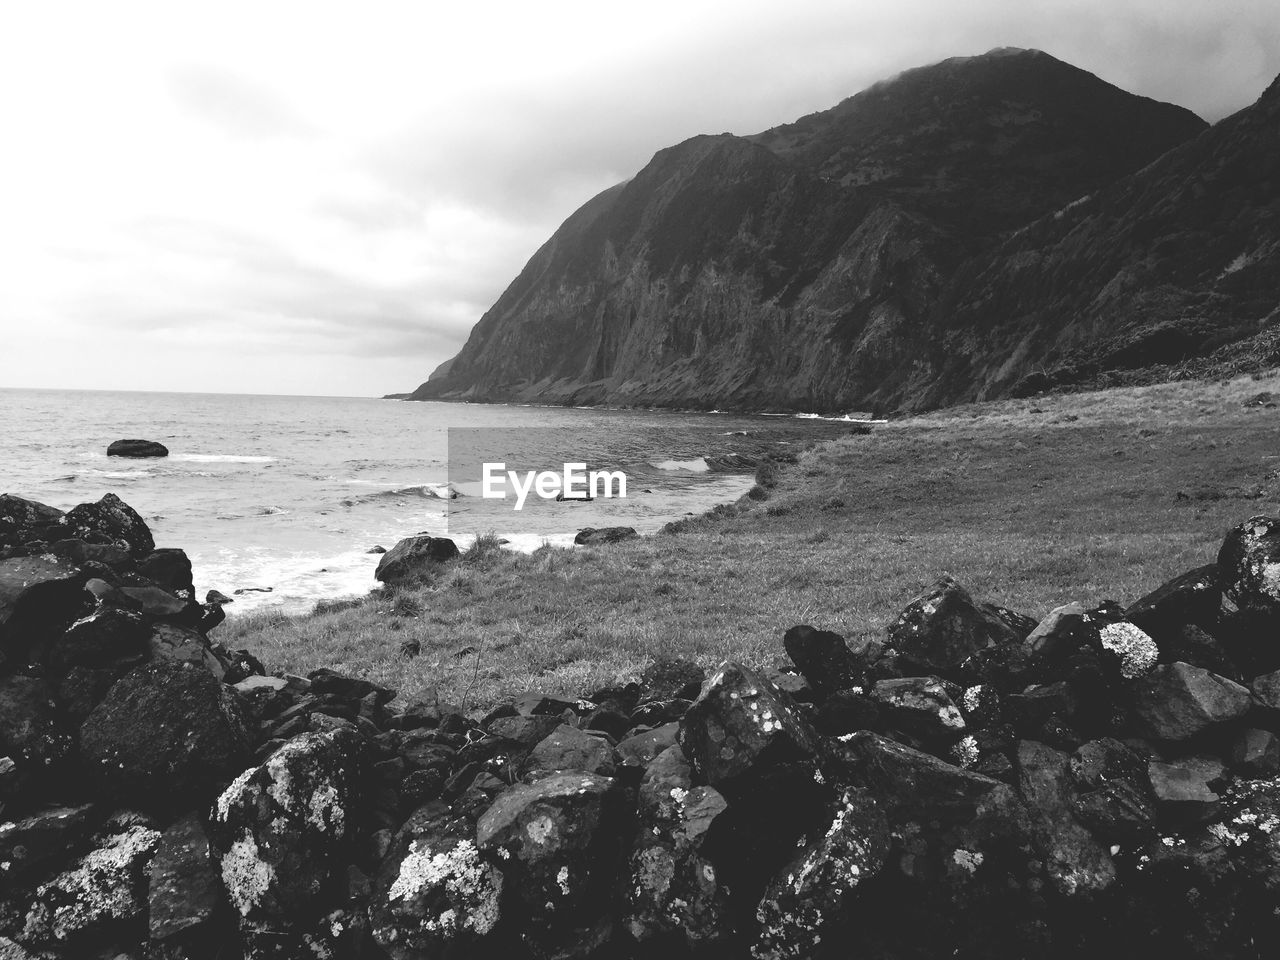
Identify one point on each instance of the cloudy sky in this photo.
(322, 198)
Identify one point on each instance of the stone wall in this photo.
(976, 784)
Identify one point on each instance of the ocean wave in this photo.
(697, 465)
(220, 458)
(120, 474)
(427, 491)
(844, 419)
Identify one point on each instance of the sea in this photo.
(279, 500)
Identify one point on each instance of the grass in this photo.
(1029, 503)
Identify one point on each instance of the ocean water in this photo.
(283, 497)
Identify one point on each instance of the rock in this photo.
(167, 732)
(10, 950)
(641, 749)
(846, 711)
(186, 890)
(170, 569)
(824, 658)
(568, 748)
(39, 598)
(1075, 861)
(158, 603)
(670, 678)
(108, 885)
(327, 681)
(1249, 570)
(137, 448)
(809, 896)
(113, 519)
(434, 895)
(1135, 653)
(1266, 690)
(1112, 791)
(920, 706)
(559, 841)
(1256, 753)
(182, 645)
(31, 727)
(280, 829)
(525, 731)
(673, 891)
(942, 628)
(1178, 701)
(740, 725)
(22, 521)
(1182, 787)
(112, 555)
(1191, 598)
(593, 537)
(106, 637)
(36, 840)
(1057, 636)
(413, 556)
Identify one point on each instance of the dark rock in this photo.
(526, 731)
(170, 569)
(568, 748)
(107, 886)
(81, 689)
(217, 598)
(592, 536)
(656, 713)
(137, 448)
(113, 519)
(158, 603)
(327, 681)
(641, 749)
(846, 711)
(1112, 791)
(414, 556)
(1077, 863)
(794, 685)
(280, 830)
(1200, 648)
(167, 732)
(942, 628)
(182, 645)
(807, 898)
(741, 725)
(1266, 690)
(1249, 568)
(1256, 753)
(41, 838)
(22, 521)
(31, 728)
(920, 706)
(1192, 598)
(1178, 701)
(39, 598)
(670, 678)
(674, 893)
(1182, 787)
(824, 658)
(434, 895)
(106, 637)
(540, 705)
(560, 843)
(112, 555)
(186, 891)
(608, 720)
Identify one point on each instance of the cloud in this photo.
(317, 197)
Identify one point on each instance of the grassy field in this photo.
(1029, 503)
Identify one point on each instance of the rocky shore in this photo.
(975, 784)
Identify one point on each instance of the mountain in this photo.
(973, 228)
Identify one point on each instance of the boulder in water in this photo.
(137, 448)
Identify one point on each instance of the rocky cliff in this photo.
(1103, 783)
(942, 236)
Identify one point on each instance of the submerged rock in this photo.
(137, 448)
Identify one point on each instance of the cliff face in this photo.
(922, 242)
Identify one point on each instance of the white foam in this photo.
(297, 581)
(121, 474)
(697, 465)
(219, 458)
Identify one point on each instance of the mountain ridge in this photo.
(852, 260)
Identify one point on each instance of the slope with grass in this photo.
(1029, 503)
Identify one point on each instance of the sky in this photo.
(323, 198)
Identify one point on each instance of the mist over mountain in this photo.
(976, 228)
